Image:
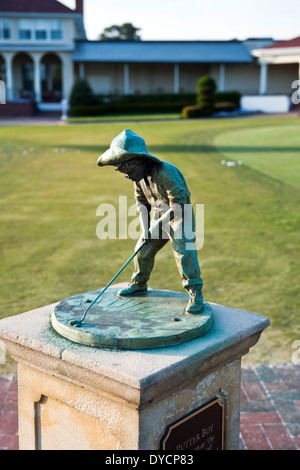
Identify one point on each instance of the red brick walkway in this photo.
(270, 409)
(8, 414)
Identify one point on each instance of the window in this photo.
(4, 29)
(25, 29)
(40, 35)
(56, 30)
(41, 27)
(27, 77)
(40, 30)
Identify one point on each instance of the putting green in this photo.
(274, 151)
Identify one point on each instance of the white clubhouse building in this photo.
(44, 49)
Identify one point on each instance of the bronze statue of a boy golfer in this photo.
(160, 186)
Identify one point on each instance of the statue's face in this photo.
(135, 169)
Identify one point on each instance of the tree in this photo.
(82, 94)
(125, 32)
(205, 100)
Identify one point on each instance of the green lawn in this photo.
(50, 189)
(269, 150)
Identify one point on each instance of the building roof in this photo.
(257, 43)
(33, 6)
(162, 52)
(295, 42)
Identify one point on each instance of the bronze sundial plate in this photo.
(152, 320)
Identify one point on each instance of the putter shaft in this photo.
(78, 322)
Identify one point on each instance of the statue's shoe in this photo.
(195, 304)
(133, 289)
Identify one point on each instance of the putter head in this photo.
(76, 323)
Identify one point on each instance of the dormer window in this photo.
(5, 31)
(40, 30)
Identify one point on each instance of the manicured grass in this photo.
(272, 151)
(49, 198)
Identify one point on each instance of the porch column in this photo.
(222, 77)
(126, 79)
(9, 76)
(263, 81)
(67, 69)
(176, 78)
(37, 77)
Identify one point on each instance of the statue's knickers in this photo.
(186, 261)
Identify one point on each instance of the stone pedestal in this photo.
(73, 396)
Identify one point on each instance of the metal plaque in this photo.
(202, 429)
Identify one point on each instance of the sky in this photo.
(195, 19)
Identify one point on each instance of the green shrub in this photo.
(206, 87)
(89, 110)
(187, 98)
(191, 112)
(233, 97)
(82, 94)
(225, 106)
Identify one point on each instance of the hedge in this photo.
(125, 108)
(191, 112)
(225, 106)
(223, 101)
(148, 103)
(84, 103)
(186, 98)
(228, 97)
